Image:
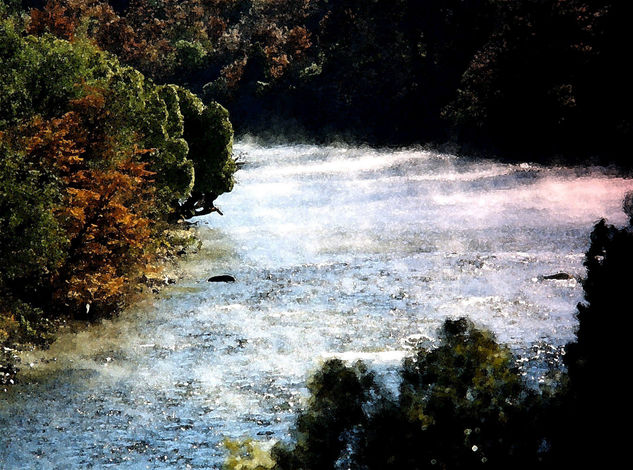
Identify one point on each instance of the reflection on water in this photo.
(345, 252)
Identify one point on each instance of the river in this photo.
(338, 252)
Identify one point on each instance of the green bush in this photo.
(462, 405)
(32, 243)
(337, 396)
(190, 56)
(209, 133)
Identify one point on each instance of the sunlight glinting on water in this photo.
(338, 252)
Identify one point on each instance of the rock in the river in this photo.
(222, 278)
(559, 276)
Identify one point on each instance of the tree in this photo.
(107, 195)
(597, 361)
(335, 408)
(209, 133)
(461, 405)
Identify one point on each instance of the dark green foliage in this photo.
(462, 405)
(545, 74)
(190, 56)
(39, 76)
(209, 133)
(323, 431)
(606, 290)
(596, 395)
(32, 243)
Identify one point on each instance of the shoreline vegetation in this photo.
(97, 164)
(111, 131)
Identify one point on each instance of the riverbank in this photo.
(180, 240)
(96, 161)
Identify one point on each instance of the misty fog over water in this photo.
(337, 251)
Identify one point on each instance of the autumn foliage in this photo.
(95, 161)
(105, 199)
(104, 206)
(482, 73)
(54, 18)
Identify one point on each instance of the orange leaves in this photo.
(55, 19)
(216, 26)
(107, 199)
(55, 142)
(106, 223)
(233, 73)
(298, 39)
(280, 63)
(283, 47)
(146, 34)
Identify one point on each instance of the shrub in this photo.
(462, 405)
(209, 133)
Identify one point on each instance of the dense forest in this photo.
(530, 78)
(95, 161)
(114, 125)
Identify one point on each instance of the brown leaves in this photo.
(145, 36)
(298, 40)
(283, 46)
(108, 231)
(55, 19)
(107, 199)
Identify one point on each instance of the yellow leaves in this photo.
(77, 213)
(416, 414)
(95, 287)
(8, 325)
(247, 455)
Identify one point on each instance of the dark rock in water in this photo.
(222, 278)
(559, 276)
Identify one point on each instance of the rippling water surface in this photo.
(337, 251)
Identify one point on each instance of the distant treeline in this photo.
(466, 404)
(522, 78)
(95, 161)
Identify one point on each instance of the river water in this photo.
(338, 252)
